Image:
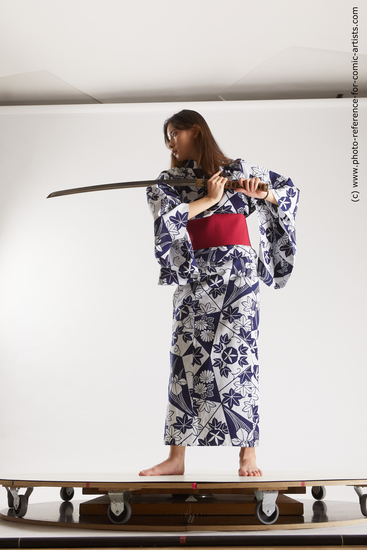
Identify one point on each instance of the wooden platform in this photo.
(210, 502)
(127, 480)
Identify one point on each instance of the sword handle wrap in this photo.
(231, 184)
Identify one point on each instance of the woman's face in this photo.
(182, 143)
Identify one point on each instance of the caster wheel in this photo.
(21, 510)
(66, 493)
(363, 503)
(263, 518)
(319, 493)
(10, 500)
(122, 518)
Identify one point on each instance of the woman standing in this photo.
(202, 245)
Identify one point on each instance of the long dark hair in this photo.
(210, 157)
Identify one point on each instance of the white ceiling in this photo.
(118, 51)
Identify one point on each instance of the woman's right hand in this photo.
(215, 187)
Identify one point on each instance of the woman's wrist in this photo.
(199, 206)
(269, 196)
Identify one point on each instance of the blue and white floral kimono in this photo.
(214, 381)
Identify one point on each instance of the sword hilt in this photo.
(231, 184)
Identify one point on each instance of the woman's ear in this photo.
(195, 130)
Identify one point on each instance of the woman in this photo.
(202, 245)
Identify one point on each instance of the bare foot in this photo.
(248, 465)
(168, 467)
(174, 465)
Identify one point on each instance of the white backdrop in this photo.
(85, 329)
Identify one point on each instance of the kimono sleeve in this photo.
(173, 248)
(277, 228)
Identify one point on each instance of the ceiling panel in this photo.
(300, 72)
(39, 88)
(122, 51)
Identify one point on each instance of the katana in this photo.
(200, 182)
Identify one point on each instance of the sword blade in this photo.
(122, 185)
(131, 184)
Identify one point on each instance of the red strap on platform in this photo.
(218, 230)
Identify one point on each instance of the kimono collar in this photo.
(192, 164)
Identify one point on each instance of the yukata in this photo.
(213, 396)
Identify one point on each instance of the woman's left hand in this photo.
(250, 188)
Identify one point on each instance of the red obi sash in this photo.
(218, 230)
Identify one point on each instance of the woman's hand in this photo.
(215, 187)
(250, 188)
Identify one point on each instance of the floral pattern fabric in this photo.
(214, 380)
